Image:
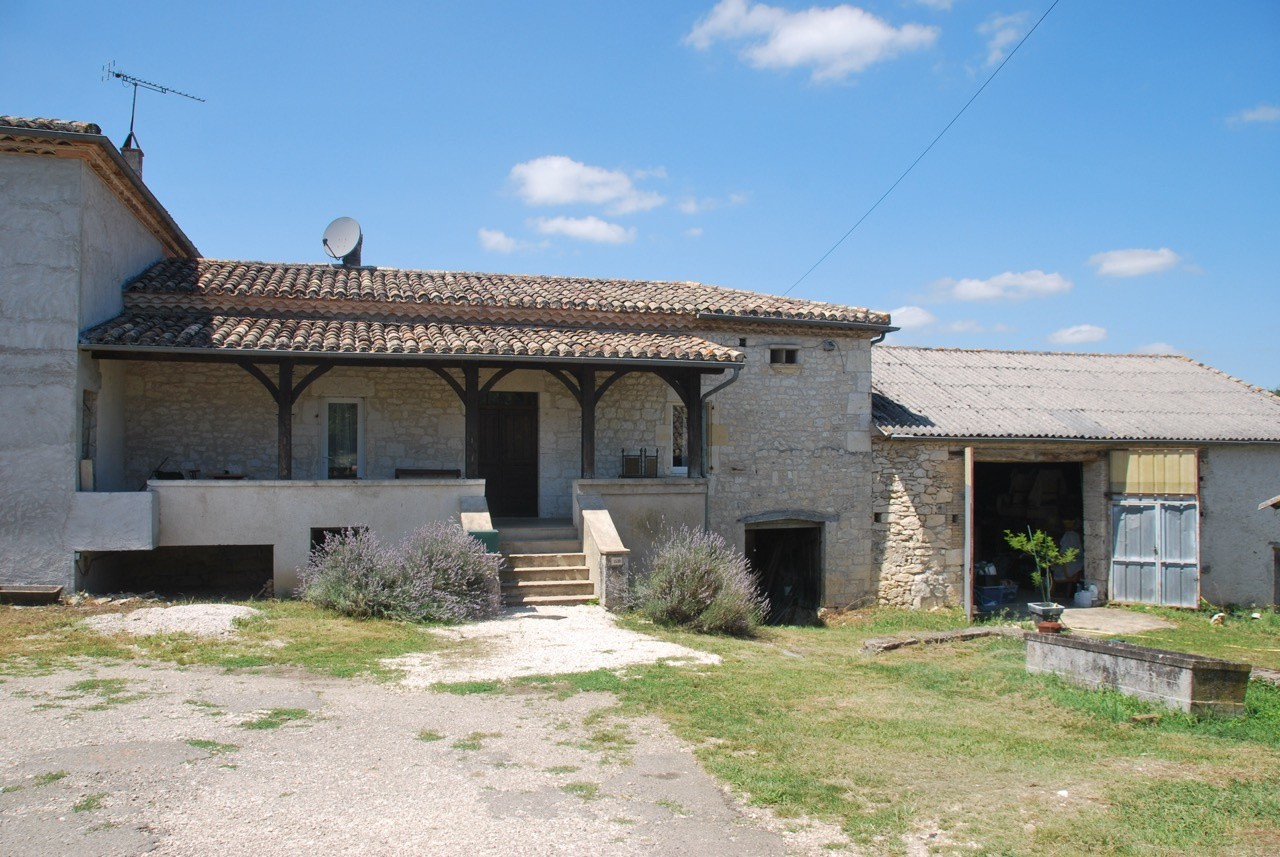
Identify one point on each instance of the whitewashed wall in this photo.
(1239, 540)
(67, 245)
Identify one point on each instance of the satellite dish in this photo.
(343, 239)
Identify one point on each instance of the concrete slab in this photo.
(1111, 620)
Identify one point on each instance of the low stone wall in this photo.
(1190, 683)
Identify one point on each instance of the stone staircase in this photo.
(545, 563)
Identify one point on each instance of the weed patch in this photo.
(89, 803)
(429, 736)
(475, 741)
(214, 748)
(586, 791)
(275, 718)
(467, 688)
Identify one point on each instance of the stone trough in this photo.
(1191, 683)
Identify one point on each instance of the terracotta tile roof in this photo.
(232, 333)
(956, 393)
(49, 125)
(390, 287)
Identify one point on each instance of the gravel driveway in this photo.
(128, 759)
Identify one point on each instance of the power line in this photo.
(920, 157)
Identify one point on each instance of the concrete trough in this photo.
(1191, 683)
(29, 594)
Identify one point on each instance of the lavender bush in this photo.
(697, 580)
(437, 574)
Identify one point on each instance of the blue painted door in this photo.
(1155, 552)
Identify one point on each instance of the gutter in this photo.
(198, 354)
(804, 322)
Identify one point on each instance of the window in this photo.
(342, 450)
(783, 356)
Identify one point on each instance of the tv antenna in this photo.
(109, 72)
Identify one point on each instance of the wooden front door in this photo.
(509, 453)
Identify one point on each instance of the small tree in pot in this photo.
(1044, 550)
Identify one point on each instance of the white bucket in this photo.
(1086, 597)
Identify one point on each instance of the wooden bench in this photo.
(427, 473)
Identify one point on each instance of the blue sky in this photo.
(1116, 187)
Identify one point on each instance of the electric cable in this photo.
(920, 157)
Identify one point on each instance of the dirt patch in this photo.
(540, 641)
(202, 620)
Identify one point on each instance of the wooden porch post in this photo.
(471, 426)
(693, 410)
(284, 421)
(587, 384)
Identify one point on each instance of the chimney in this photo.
(132, 154)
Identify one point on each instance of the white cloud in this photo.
(694, 232)
(1157, 348)
(1002, 32)
(585, 229)
(1134, 263)
(971, 326)
(498, 242)
(834, 41)
(693, 205)
(1078, 334)
(941, 5)
(1010, 285)
(908, 317)
(559, 180)
(1261, 113)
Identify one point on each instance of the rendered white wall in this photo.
(62, 236)
(1238, 540)
(282, 514)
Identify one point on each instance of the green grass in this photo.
(957, 737)
(89, 803)
(213, 748)
(46, 779)
(275, 718)
(429, 736)
(285, 633)
(586, 791)
(1239, 638)
(474, 741)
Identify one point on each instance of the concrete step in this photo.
(546, 560)
(527, 589)
(540, 545)
(517, 600)
(554, 572)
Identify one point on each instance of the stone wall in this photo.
(919, 523)
(792, 442)
(216, 417)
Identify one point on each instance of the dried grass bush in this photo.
(437, 574)
(698, 581)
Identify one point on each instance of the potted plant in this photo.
(1044, 550)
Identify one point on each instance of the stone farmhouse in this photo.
(175, 422)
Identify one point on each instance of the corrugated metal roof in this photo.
(947, 392)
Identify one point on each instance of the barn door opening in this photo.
(787, 562)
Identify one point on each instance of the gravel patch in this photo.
(168, 766)
(541, 641)
(202, 620)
